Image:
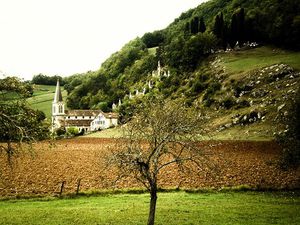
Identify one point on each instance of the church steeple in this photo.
(58, 106)
(58, 95)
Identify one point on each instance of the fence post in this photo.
(62, 188)
(78, 186)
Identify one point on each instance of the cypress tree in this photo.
(217, 28)
(202, 27)
(187, 29)
(233, 30)
(195, 25)
(241, 26)
(220, 30)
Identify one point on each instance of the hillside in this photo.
(195, 67)
(42, 98)
(256, 87)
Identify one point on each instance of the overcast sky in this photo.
(64, 37)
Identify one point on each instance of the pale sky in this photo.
(64, 37)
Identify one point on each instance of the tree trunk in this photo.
(152, 209)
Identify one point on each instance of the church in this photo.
(83, 120)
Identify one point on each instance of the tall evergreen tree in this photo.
(195, 25)
(202, 27)
(241, 26)
(233, 30)
(217, 27)
(220, 30)
(187, 29)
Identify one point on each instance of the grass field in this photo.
(115, 132)
(172, 208)
(42, 98)
(245, 61)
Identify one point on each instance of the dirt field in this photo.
(232, 163)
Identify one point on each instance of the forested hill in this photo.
(185, 49)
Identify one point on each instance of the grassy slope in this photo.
(43, 97)
(108, 133)
(239, 65)
(244, 61)
(172, 208)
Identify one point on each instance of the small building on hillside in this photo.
(83, 120)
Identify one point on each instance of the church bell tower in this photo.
(58, 108)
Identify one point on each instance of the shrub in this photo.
(72, 131)
(227, 103)
(60, 131)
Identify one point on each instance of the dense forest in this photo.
(181, 49)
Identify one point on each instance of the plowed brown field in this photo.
(233, 163)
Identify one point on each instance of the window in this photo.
(75, 117)
(60, 109)
(82, 117)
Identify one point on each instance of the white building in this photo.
(104, 121)
(83, 120)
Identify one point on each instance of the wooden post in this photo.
(62, 188)
(78, 186)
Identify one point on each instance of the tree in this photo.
(218, 26)
(202, 27)
(18, 122)
(220, 30)
(153, 39)
(233, 30)
(46, 80)
(160, 134)
(195, 25)
(196, 48)
(241, 26)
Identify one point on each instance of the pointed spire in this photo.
(58, 95)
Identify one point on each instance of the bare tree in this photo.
(160, 134)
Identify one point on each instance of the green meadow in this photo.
(255, 208)
(244, 61)
(42, 98)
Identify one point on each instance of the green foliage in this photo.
(73, 81)
(72, 131)
(185, 54)
(46, 80)
(60, 131)
(103, 106)
(202, 26)
(153, 39)
(18, 122)
(195, 25)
